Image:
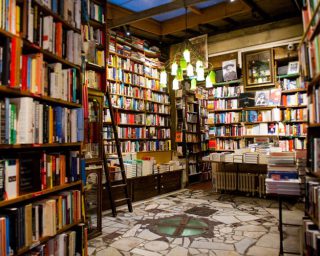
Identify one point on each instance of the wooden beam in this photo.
(195, 10)
(149, 25)
(134, 17)
(193, 32)
(210, 14)
(231, 21)
(255, 7)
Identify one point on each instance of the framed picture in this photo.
(293, 67)
(229, 70)
(262, 98)
(258, 68)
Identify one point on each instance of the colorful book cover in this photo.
(275, 97)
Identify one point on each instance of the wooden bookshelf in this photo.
(40, 146)
(294, 90)
(48, 55)
(234, 82)
(47, 238)
(288, 76)
(12, 92)
(39, 194)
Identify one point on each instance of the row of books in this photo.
(311, 238)
(10, 16)
(131, 133)
(69, 243)
(127, 103)
(158, 108)
(312, 198)
(158, 133)
(95, 11)
(276, 129)
(23, 226)
(95, 56)
(222, 104)
(26, 121)
(94, 79)
(157, 120)
(68, 10)
(52, 36)
(158, 97)
(138, 146)
(107, 133)
(225, 91)
(226, 144)
(124, 118)
(90, 33)
(192, 117)
(33, 172)
(291, 84)
(292, 144)
(314, 105)
(294, 99)
(125, 90)
(190, 127)
(251, 116)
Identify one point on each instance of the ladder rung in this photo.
(122, 200)
(119, 185)
(116, 172)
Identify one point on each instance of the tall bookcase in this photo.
(41, 166)
(94, 45)
(142, 106)
(310, 69)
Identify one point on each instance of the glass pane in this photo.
(196, 223)
(166, 230)
(192, 232)
(175, 221)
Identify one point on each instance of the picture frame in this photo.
(293, 67)
(229, 70)
(258, 68)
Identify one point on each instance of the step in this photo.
(119, 185)
(126, 199)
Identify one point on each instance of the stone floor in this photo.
(230, 226)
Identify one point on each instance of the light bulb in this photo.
(175, 84)
(163, 79)
(183, 64)
(199, 64)
(200, 74)
(208, 82)
(186, 55)
(174, 68)
(179, 74)
(193, 84)
(190, 70)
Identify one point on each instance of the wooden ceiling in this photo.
(219, 18)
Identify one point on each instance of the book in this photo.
(262, 98)
(316, 158)
(275, 97)
(11, 178)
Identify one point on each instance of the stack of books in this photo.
(238, 158)
(251, 157)
(282, 174)
(228, 158)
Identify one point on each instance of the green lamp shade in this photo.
(212, 76)
(183, 64)
(193, 84)
(179, 74)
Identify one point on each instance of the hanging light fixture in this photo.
(183, 63)
(199, 64)
(163, 79)
(179, 74)
(174, 68)
(190, 70)
(175, 84)
(193, 84)
(212, 75)
(186, 55)
(208, 82)
(200, 74)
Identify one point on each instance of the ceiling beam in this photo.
(193, 32)
(231, 21)
(208, 27)
(149, 25)
(210, 14)
(257, 8)
(134, 17)
(195, 10)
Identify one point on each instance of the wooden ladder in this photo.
(112, 186)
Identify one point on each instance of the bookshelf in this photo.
(309, 55)
(142, 107)
(42, 126)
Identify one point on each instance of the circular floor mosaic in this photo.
(180, 226)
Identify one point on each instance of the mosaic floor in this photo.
(199, 223)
